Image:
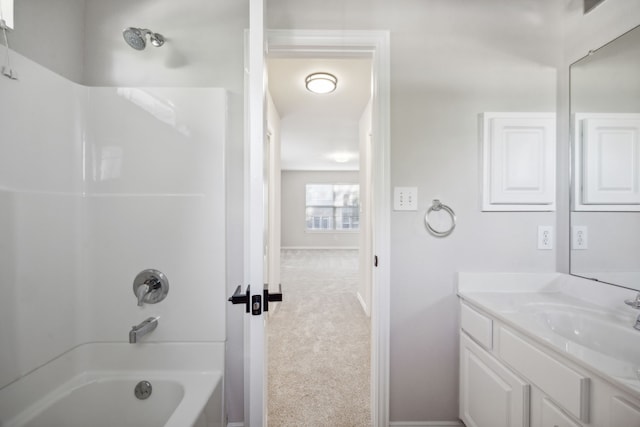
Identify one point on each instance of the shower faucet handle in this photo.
(150, 286)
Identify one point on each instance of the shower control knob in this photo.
(150, 286)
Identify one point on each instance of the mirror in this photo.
(605, 205)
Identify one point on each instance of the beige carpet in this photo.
(318, 340)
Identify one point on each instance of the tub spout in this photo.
(138, 331)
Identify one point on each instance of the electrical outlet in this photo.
(405, 198)
(579, 238)
(545, 237)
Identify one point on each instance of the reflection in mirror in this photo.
(605, 111)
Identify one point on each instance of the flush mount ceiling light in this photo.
(342, 156)
(321, 83)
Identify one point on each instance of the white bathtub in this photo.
(93, 385)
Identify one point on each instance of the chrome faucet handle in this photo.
(635, 303)
(150, 286)
(141, 292)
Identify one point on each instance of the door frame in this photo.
(376, 45)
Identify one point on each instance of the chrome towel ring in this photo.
(436, 206)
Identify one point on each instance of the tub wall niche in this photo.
(97, 184)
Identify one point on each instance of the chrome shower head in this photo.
(137, 38)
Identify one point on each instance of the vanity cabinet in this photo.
(508, 379)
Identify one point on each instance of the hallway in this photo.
(319, 343)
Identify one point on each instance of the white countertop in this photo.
(562, 313)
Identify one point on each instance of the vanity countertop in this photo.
(585, 321)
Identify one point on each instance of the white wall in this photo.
(607, 21)
(450, 61)
(40, 213)
(294, 234)
(613, 244)
(51, 33)
(204, 43)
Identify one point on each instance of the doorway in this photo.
(359, 45)
(319, 338)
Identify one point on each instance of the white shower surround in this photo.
(97, 184)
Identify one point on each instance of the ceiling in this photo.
(316, 129)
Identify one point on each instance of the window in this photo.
(333, 207)
(6, 12)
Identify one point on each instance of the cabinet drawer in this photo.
(477, 325)
(565, 386)
(552, 416)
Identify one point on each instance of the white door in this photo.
(255, 363)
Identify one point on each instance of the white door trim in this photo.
(376, 45)
(254, 333)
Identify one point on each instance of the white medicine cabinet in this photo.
(518, 161)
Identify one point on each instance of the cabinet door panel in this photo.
(624, 413)
(490, 394)
(552, 416)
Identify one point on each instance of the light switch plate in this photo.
(405, 198)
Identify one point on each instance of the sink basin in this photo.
(598, 335)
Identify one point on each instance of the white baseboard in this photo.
(363, 304)
(297, 248)
(240, 424)
(426, 424)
